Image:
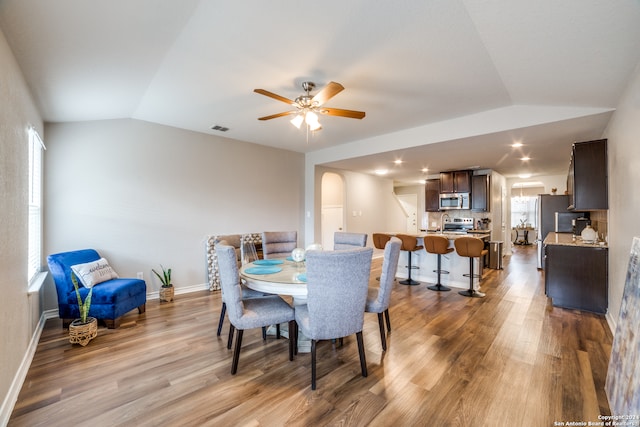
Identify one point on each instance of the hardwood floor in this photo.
(510, 359)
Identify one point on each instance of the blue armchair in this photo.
(110, 299)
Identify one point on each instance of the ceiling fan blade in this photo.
(273, 116)
(274, 96)
(327, 92)
(342, 113)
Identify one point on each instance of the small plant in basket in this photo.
(83, 307)
(166, 290)
(84, 329)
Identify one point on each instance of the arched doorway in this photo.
(332, 218)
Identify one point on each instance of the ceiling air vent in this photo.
(219, 128)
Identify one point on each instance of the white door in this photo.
(410, 204)
(331, 222)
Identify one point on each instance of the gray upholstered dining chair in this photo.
(278, 244)
(233, 240)
(253, 312)
(378, 298)
(337, 283)
(343, 240)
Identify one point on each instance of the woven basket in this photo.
(82, 333)
(166, 294)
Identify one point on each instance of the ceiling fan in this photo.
(307, 107)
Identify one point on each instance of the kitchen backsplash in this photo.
(600, 222)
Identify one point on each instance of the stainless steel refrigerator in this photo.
(547, 206)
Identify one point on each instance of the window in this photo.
(35, 203)
(523, 211)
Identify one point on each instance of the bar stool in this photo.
(410, 245)
(471, 247)
(438, 245)
(379, 242)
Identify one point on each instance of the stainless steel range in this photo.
(458, 225)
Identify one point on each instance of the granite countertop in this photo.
(454, 235)
(567, 239)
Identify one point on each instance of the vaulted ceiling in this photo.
(451, 83)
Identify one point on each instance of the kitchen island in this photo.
(456, 265)
(576, 272)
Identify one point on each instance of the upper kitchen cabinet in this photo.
(432, 195)
(480, 193)
(587, 182)
(455, 182)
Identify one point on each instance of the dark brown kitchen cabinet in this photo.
(432, 195)
(480, 193)
(587, 182)
(576, 277)
(455, 182)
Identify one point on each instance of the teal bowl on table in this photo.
(268, 262)
(263, 270)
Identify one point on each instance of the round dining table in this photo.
(279, 277)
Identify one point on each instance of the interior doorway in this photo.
(409, 203)
(332, 215)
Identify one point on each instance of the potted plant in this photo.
(166, 290)
(84, 329)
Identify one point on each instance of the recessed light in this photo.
(524, 175)
(381, 171)
(397, 162)
(424, 170)
(525, 158)
(517, 144)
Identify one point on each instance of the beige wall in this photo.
(143, 194)
(370, 195)
(17, 113)
(623, 134)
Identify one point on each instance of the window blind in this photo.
(36, 146)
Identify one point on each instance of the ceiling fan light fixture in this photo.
(311, 119)
(297, 120)
(308, 107)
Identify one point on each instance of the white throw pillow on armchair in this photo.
(94, 272)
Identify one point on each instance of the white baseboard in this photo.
(181, 290)
(12, 395)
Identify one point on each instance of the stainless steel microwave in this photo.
(454, 201)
